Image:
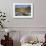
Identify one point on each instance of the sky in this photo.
(22, 6)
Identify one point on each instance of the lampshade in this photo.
(7, 30)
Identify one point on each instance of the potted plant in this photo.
(2, 19)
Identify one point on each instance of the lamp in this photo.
(7, 31)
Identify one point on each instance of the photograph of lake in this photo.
(22, 10)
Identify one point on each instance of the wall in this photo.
(39, 13)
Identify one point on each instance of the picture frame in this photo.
(22, 10)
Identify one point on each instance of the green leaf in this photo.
(4, 13)
(1, 15)
(0, 12)
(4, 16)
(0, 21)
(3, 19)
(2, 26)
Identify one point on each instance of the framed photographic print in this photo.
(22, 10)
